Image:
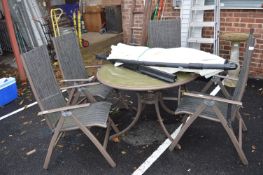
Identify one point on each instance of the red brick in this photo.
(248, 20)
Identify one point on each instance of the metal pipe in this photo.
(13, 40)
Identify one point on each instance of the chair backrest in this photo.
(43, 83)
(164, 33)
(69, 56)
(243, 75)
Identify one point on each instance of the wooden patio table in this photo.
(147, 89)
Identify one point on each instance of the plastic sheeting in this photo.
(171, 55)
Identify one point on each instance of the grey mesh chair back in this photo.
(43, 83)
(67, 49)
(243, 76)
(164, 33)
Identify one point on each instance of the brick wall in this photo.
(231, 21)
(241, 21)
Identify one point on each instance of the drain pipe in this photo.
(12, 36)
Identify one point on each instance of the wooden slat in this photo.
(206, 7)
(81, 85)
(63, 109)
(136, 28)
(201, 40)
(213, 98)
(202, 24)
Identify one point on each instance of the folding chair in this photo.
(165, 34)
(218, 109)
(73, 69)
(60, 117)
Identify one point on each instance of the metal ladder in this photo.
(196, 24)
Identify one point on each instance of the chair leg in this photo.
(224, 90)
(240, 133)
(232, 136)
(71, 95)
(186, 125)
(107, 134)
(166, 109)
(89, 96)
(82, 100)
(59, 136)
(53, 141)
(75, 98)
(244, 127)
(207, 86)
(95, 142)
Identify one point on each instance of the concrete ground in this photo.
(206, 149)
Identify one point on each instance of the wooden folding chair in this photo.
(218, 109)
(164, 33)
(60, 117)
(73, 69)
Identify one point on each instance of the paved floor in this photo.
(206, 148)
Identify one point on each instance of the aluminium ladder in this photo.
(196, 23)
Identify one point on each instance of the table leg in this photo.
(161, 100)
(165, 107)
(139, 110)
(156, 104)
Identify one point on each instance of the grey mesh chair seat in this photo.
(99, 90)
(188, 105)
(94, 115)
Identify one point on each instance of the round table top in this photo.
(125, 79)
(234, 36)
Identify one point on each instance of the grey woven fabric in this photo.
(43, 83)
(48, 95)
(243, 76)
(188, 105)
(164, 33)
(71, 63)
(69, 56)
(94, 115)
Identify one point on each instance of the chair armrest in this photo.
(76, 80)
(80, 85)
(93, 66)
(226, 77)
(63, 109)
(219, 99)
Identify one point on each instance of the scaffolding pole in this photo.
(13, 41)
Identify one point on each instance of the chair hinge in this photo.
(209, 103)
(66, 113)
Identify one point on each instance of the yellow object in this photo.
(75, 23)
(79, 29)
(55, 15)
